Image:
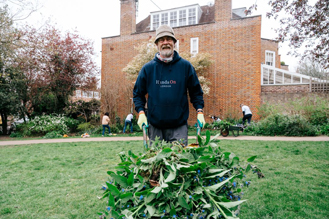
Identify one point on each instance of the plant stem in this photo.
(215, 203)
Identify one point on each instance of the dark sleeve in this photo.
(140, 91)
(194, 89)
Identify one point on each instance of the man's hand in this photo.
(142, 119)
(201, 120)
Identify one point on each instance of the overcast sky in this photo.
(101, 18)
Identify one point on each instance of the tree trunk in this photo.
(4, 120)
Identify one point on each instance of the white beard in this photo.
(166, 53)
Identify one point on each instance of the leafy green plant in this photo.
(288, 125)
(53, 134)
(170, 181)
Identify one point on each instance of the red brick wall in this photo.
(235, 46)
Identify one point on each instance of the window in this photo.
(270, 58)
(194, 45)
(182, 17)
(96, 95)
(155, 21)
(84, 94)
(90, 94)
(191, 16)
(173, 19)
(164, 18)
(78, 93)
(177, 46)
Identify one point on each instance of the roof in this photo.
(208, 16)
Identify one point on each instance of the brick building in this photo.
(233, 40)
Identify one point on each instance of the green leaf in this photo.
(235, 161)
(130, 180)
(111, 200)
(207, 137)
(120, 179)
(231, 204)
(172, 211)
(157, 189)
(171, 177)
(248, 168)
(251, 159)
(150, 209)
(114, 190)
(215, 170)
(219, 174)
(110, 172)
(204, 158)
(126, 196)
(150, 197)
(115, 214)
(218, 185)
(182, 202)
(166, 152)
(200, 140)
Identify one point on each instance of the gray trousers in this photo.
(168, 135)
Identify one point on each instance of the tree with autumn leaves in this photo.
(41, 68)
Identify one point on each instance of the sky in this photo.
(101, 18)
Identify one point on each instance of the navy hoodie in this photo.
(167, 85)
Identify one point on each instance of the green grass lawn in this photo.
(64, 180)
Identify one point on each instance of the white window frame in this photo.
(78, 93)
(155, 21)
(164, 18)
(270, 60)
(173, 19)
(182, 20)
(85, 94)
(191, 16)
(96, 94)
(194, 45)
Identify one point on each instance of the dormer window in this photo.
(176, 17)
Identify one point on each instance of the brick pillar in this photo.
(128, 17)
(223, 10)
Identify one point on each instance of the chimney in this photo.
(223, 10)
(128, 17)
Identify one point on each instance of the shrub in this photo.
(53, 134)
(169, 181)
(325, 129)
(288, 125)
(85, 127)
(16, 135)
(222, 125)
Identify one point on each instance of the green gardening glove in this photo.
(142, 120)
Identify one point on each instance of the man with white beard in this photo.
(167, 79)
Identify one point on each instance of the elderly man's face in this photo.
(165, 46)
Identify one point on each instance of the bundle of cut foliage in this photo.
(169, 181)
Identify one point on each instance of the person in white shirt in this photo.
(247, 115)
(105, 123)
(128, 121)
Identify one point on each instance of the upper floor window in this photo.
(173, 19)
(270, 58)
(90, 94)
(194, 45)
(191, 16)
(155, 21)
(182, 17)
(78, 93)
(96, 94)
(164, 18)
(84, 94)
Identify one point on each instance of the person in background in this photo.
(246, 114)
(105, 123)
(129, 122)
(167, 80)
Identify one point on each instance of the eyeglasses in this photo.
(162, 39)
